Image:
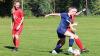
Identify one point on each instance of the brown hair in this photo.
(12, 10)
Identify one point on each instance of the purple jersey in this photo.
(64, 23)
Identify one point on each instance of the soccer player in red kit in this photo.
(71, 40)
(17, 24)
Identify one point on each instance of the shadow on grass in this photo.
(51, 51)
(9, 47)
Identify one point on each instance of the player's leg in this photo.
(71, 42)
(16, 38)
(13, 35)
(16, 42)
(77, 40)
(60, 43)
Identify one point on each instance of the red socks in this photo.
(17, 43)
(79, 43)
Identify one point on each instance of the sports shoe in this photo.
(54, 52)
(15, 49)
(69, 51)
(84, 50)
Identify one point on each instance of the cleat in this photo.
(54, 52)
(15, 49)
(69, 52)
(84, 50)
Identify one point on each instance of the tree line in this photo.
(42, 7)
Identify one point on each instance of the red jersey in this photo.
(72, 18)
(17, 16)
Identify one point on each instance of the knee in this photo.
(16, 36)
(62, 41)
(71, 37)
(13, 36)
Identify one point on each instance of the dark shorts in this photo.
(60, 35)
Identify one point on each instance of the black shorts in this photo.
(60, 35)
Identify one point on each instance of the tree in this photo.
(5, 7)
(96, 7)
(62, 5)
(40, 7)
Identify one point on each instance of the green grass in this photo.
(39, 36)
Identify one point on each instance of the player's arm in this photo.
(80, 11)
(72, 26)
(12, 23)
(53, 14)
(21, 21)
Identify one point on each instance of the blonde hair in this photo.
(71, 8)
(17, 2)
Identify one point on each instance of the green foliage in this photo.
(5, 7)
(96, 7)
(62, 5)
(45, 7)
(27, 10)
(40, 7)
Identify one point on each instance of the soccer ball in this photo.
(76, 52)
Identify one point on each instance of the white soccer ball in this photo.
(76, 52)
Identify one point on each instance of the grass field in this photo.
(39, 36)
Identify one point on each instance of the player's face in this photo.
(73, 11)
(17, 5)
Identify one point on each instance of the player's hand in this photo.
(11, 27)
(73, 29)
(47, 15)
(84, 9)
(18, 28)
(74, 24)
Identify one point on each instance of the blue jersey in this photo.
(64, 23)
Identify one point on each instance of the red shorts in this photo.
(17, 32)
